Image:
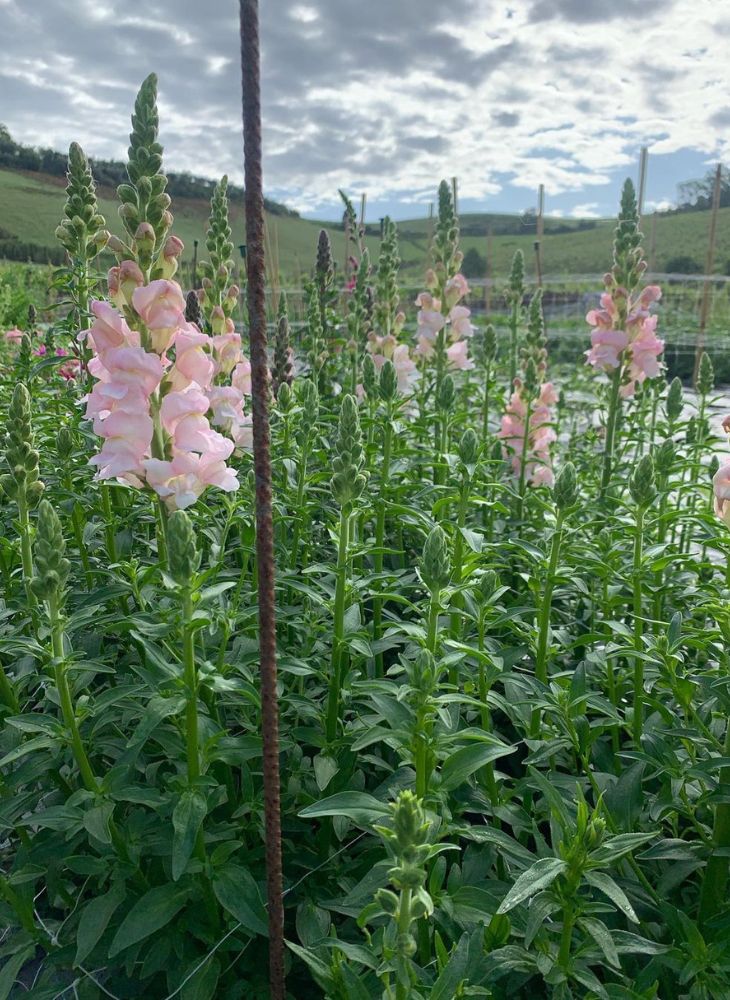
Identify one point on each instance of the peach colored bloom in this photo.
(458, 358)
(721, 484)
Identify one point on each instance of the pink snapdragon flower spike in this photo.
(388, 349)
(634, 347)
(540, 435)
(160, 388)
(455, 290)
(721, 485)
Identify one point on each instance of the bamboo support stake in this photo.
(488, 282)
(709, 264)
(643, 160)
(255, 266)
(540, 230)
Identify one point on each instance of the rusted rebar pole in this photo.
(255, 267)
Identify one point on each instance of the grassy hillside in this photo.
(31, 206)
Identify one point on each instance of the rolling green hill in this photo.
(31, 206)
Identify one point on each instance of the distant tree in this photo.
(474, 264)
(696, 195)
(683, 264)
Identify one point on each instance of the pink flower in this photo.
(607, 346)
(227, 347)
(242, 376)
(457, 356)
(14, 336)
(405, 368)
(721, 484)
(540, 435)
(456, 288)
(460, 324)
(726, 424)
(109, 329)
(70, 369)
(424, 348)
(192, 362)
(181, 481)
(40, 350)
(424, 300)
(127, 438)
(161, 305)
(430, 323)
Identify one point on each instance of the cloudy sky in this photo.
(388, 96)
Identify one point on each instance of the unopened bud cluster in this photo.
(82, 232)
(348, 480)
(51, 566)
(21, 483)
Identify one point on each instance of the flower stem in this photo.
(543, 629)
(380, 535)
(638, 628)
(335, 681)
(523, 460)
(64, 694)
(713, 895)
(613, 409)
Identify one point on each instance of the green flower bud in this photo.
(565, 490)
(642, 483)
(436, 560)
(21, 457)
(446, 395)
(664, 457)
(388, 901)
(388, 384)
(284, 397)
(517, 277)
(309, 401)
(348, 481)
(51, 566)
(705, 375)
(674, 403)
(713, 466)
(64, 443)
(490, 344)
(283, 371)
(369, 377)
(469, 447)
(422, 672)
(183, 555)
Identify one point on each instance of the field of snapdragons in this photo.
(502, 633)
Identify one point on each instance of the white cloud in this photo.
(587, 211)
(386, 98)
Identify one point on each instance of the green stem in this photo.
(566, 937)
(514, 321)
(190, 680)
(485, 404)
(26, 549)
(109, 527)
(335, 681)
(64, 694)
(523, 460)
(613, 409)
(380, 536)
(638, 628)
(543, 630)
(403, 990)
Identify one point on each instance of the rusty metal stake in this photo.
(255, 266)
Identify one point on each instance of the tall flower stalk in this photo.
(347, 484)
(642, 486)
(21, 483)
(624, 342)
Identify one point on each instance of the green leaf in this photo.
(537, 877)
(355, 989)
(237, 892)
(462, 764)
(96, 821)
(615, 893)
(95, 919)
(602, 936)
(187, 818)
(150, 913)
(453, 974)
(11, 968)
(203, 984)
(614, 848)
(358, 806)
